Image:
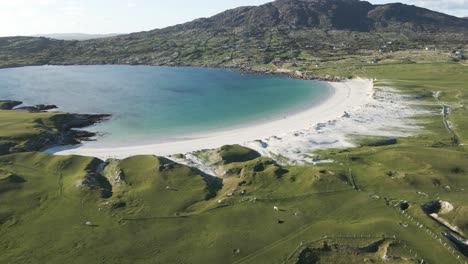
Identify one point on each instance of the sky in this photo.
(32, 17)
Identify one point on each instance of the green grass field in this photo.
(19, 128)
(147, 209)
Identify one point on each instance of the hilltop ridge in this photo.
(283, 31)
(351, 15)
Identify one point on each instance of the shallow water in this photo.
(156, 104)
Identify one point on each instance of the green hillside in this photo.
(293, 34)
(148, 209)
(364, 207)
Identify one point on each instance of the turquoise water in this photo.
(155, 104)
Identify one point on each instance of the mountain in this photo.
(352, 15)
(76, 36)
(283, 31)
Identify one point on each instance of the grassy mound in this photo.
(237, 153)
(31, 180)
(265, 178)
(156, 187)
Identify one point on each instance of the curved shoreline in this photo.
(207, 132)
(347, 95)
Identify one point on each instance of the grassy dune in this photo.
(159, 211)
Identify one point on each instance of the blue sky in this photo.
(29, 17)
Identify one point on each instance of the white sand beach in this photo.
(355, 107)
(346, 96)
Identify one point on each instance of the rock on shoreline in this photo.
(244, 68)
(13, 105)
(36, 108)
(291, 74)
(8, 104)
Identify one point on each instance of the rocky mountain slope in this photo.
(351, 15)
(280, 31)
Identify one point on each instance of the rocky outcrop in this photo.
(12, 105)
(12, 178)
(382, 142)
(36, 108)
(5, 147)
(63, 130)
(435, 209)
(459, 242)
(372, 248)
(8, 104)
(65, 135)
(85, 120)
(290, 74)
(114, 174)
(96, 182)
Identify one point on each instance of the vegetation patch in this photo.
(237, 153)
(352, 251)
(33, 131)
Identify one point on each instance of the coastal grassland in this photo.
(21, 128)
(244, 229)
(157, 211)
(421, 81)
(426, 167)
(36, 177)
(359, 250)
(167, 188)
(24, 130)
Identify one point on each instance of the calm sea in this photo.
(156, 104)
